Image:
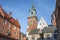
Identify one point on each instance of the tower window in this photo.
(31, 13)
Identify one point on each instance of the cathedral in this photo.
(40, 30)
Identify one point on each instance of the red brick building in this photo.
(32, 19)
(9, 27)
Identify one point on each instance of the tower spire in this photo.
(33, 7)
(33, 11)
(32, 19)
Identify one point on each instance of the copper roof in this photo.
(10, 19)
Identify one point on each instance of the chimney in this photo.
(10, 14)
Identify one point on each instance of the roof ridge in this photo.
(11, 19)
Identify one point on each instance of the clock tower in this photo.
(32, 19)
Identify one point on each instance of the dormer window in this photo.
(32, 7)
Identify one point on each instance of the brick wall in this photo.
(32, 23)
(8, 25)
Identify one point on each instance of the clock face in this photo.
(31, 23)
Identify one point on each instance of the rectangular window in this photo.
(48, 36)
(55, 36)
(8, 32)
(3, 28)
(4, 20)
(15, 33)
(14, 27)
(0, 16)
(9, 25)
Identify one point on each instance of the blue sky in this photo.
(20, 10)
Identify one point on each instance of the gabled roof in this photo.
(49, 29)
(10, 19)
(42, 23)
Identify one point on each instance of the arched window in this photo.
(31, 13)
